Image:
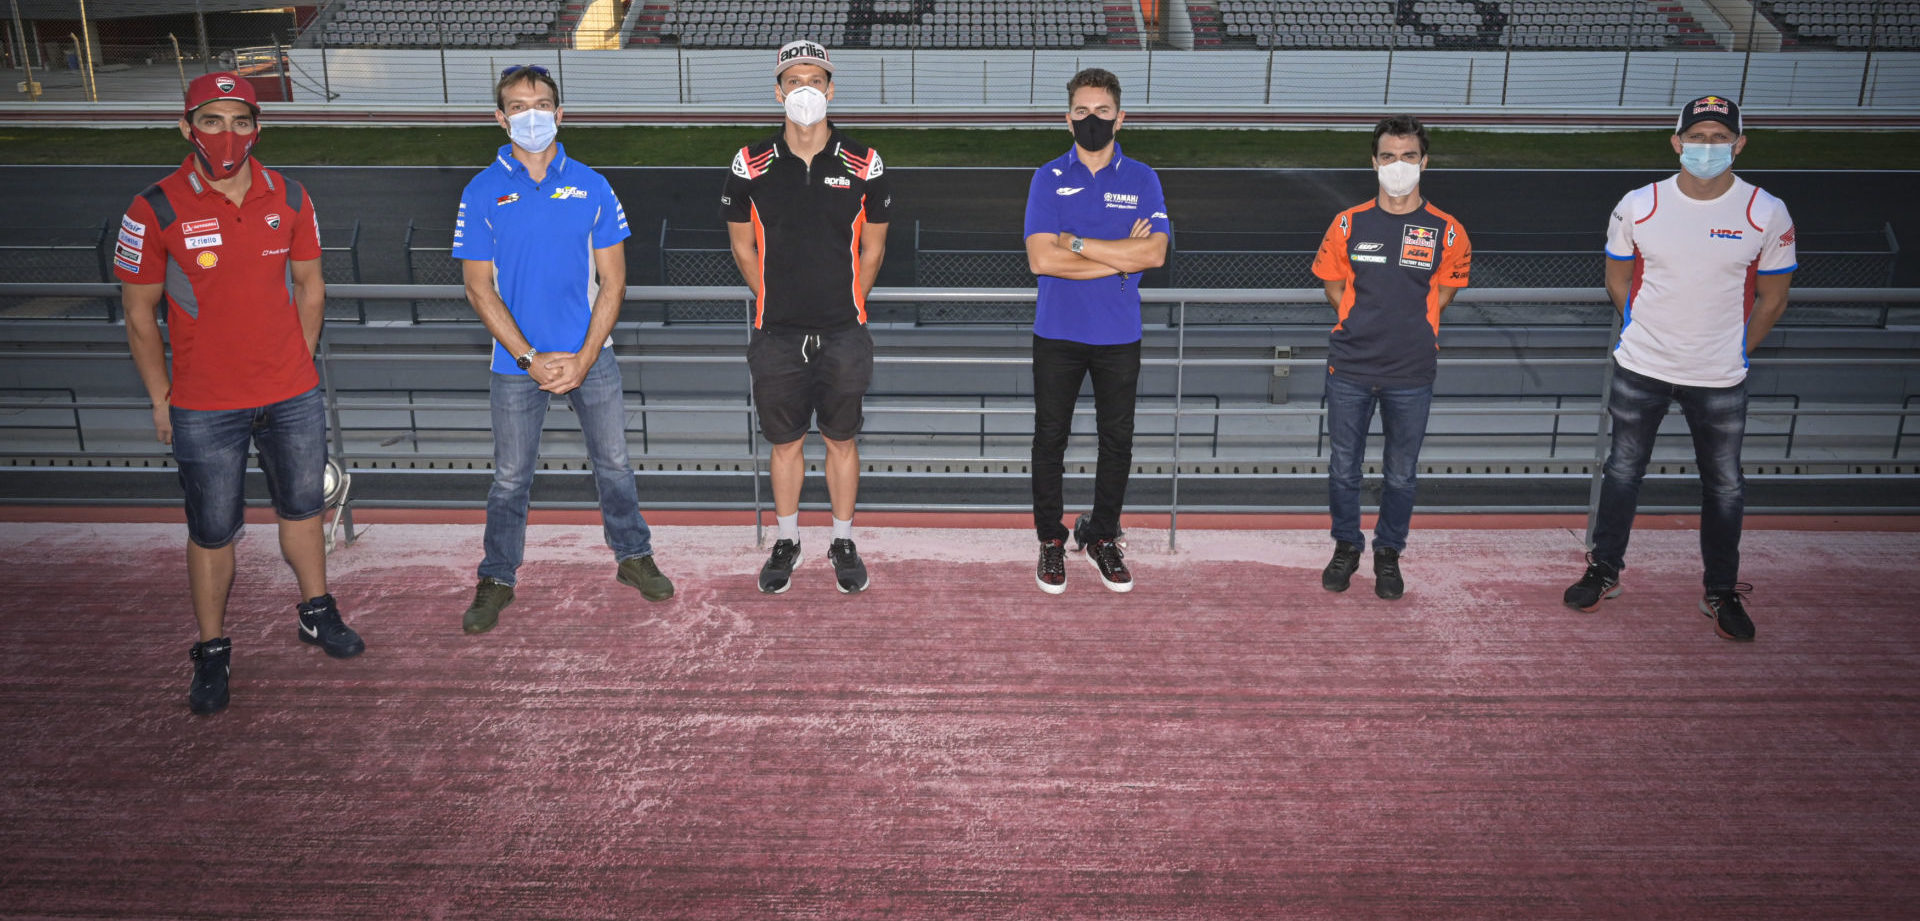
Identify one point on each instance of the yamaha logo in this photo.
(225, 84)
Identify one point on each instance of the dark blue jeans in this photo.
(1403, 427)
(519, 414)
(1717, 419)
(1059, 367)
(210, 449)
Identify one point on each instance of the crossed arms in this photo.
(1143, 249)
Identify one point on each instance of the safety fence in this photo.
(1181, 425)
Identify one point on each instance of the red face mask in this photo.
(223, 154)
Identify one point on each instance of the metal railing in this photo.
(1180, 410)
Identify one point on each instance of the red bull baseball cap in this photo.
(217, 86)
(801, 52)
(1709, 109)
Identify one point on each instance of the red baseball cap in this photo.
(217, 86)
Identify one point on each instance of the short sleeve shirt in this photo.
(808, 218)
(1066, 196)
(1695, 264)
(1388, 332)
(540, 237)
(231, 319)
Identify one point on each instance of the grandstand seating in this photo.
(1848, 24)
(886, 23)
(1455, 24)
(437, 23)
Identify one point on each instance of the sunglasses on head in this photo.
(518, 68)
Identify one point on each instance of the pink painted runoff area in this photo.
(1227, 741)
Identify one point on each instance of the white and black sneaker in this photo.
(849, 573)
(320, 625)
(212, 661)
(777, 575)
(1105, 555)
(1051, 574)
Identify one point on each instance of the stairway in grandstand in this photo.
(435, 24)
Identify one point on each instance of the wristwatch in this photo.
(1077, 245)
(526, 361)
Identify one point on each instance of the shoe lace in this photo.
(1738, 593)
(486, 593)
(843, 552)
(783, 552)
(1387, 565)
(1596, 574)
(1107, 552)
(1053, 558)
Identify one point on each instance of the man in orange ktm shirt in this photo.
(234, 249)
(1391, 266)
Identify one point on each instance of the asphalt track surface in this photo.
(1571, 206)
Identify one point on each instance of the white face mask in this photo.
(806, 106)
(1399, 178)
(532, 130)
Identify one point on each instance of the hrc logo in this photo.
(1720, 233)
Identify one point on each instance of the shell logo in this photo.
(207, 259)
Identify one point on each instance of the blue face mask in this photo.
(1706, 161)
(533, 130)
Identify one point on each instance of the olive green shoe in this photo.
(489, 599)
(641, 573)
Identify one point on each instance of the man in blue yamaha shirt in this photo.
(535, 229)
(1095, 220)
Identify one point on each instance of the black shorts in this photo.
(797, 376)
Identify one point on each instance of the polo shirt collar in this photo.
(834, 139)
(1073, 156)
(514, 167)
(262, 180)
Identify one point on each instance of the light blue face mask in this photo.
(1706, 161)
(533, 130)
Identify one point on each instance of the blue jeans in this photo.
(1717, 420)
(519, 412)
(1403, 423)
(210, 449)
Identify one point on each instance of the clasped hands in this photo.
(559, 372)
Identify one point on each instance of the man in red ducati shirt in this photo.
(219, 239)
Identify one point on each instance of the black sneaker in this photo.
(1386, 573)
(211, 665)
(1105, 555)
(490, 597)
(1339, 572)
(1729, 612)
(1601, 582)
(1052, 574)
(643, 573)
(320, 625)
(777, 575)
(849, 574)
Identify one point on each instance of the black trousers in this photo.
(1059, 367)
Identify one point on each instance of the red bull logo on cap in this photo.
(1710, 104)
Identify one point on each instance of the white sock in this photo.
(843, 530)
(789, 526)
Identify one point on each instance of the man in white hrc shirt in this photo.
(1699, 266)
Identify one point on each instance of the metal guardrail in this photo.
(1179, 362)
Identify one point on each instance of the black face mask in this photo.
(1092, 132)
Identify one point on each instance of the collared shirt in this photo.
(231, 319)
(1694, 269)
(540, 237)
(1066, 196)
(1388, 331)
(808, 217)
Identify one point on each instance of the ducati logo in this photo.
(273, 221)
(225, 84)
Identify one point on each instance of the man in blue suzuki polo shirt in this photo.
(1095, 220)
(535, 228)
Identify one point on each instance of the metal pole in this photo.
(179, 63)
(286, 73)
(1747, 64)
(1601, 435)
(1387, 89)
(26, 54)
(1269, 98)
(1470, 81)
(1179, 393)
(1506, 68)
(1866, 66)
(326, 78)
(680, 70)
(200, 26)
(86, 54)
(440, 19)
(1626, 61)
(1149, 75)
(753, 444)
